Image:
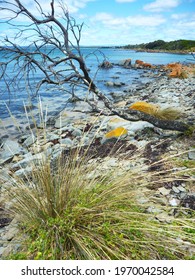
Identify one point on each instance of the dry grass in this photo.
(168, 114)
(67, 215)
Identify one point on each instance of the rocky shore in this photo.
(81, 125)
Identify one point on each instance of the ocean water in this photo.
(54, 98)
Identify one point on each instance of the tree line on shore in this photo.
(181, 45)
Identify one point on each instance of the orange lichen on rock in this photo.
(176, 70)
(143, 64)
(180, 71)
(117, 132)
(145, 107)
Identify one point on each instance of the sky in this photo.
(123, 22)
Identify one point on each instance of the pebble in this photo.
(175, 189)
(164, 191)
(174, 202)
(30, 140)
(181, 189)
(191, 155)
(66, 142)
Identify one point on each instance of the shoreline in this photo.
(183, 52)
(81, 125)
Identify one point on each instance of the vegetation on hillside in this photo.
(181, 45)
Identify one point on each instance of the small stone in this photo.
(163, 217)
(181, 189)
(12, 232)
(52, 137)
(142, 200)
(2, 250)
(112, 162)
(66, 142)
(164, 191)
(174, 202)
(77, 132)
(61, 122)
(24, 172)
(191, 155)
(182, 195)
(175, 189)
(30, 140)
(153, 209)
(109, 84)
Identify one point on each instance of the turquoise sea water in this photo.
(56, 98)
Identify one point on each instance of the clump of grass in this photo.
(67, 215)
(183, 75)
(168, 114)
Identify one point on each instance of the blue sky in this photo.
(121, 22)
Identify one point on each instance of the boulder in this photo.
(176, 70)
(125, 63)
(10, 149)
(142, 64)
(106, 64)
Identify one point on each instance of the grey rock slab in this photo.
(24, 172)
(10, 149)
(30, 140)
(52, 136)
(10, 234)
(29, 160)
(175, 189)
(2, 250)
(174, 202)
(61, 122)
(191, 155)
(181, 189)
(66, 141)
(77, 132)
(164, 191)
(13, 147)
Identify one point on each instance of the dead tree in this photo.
(48, 33)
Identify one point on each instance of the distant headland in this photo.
(177, 46)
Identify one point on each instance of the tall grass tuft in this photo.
(68, 214)
(168, 114)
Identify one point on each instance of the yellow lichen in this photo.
(156, 111)
(117, 132)
(145, 107)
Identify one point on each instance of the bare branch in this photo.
(54, 52)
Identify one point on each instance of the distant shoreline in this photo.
(184, 52)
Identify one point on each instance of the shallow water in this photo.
(54, 99)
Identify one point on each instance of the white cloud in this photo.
(73, 6)
(120, 22)
(179, 16)
(161, 5)
(125, 1)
